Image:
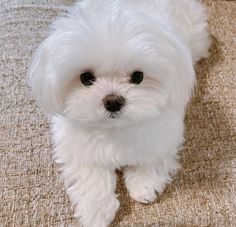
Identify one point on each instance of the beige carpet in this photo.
(204, 191)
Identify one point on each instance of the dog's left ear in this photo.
(43, 81)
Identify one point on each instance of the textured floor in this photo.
(203, 192)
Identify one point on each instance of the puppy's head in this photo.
(112, 70)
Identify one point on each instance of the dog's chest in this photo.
(116, 148)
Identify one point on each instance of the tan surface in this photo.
(203, 192)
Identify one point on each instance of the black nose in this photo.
(113, 103)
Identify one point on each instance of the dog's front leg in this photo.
(92, 191)
(144, 181)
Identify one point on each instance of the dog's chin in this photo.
(114, 121)
(111, 122)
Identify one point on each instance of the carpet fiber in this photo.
(203, 192)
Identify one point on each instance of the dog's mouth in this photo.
(113, 115)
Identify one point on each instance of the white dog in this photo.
(116, 76)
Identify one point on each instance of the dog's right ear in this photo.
(42, 79)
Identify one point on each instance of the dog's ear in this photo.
(42, 79)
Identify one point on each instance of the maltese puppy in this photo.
(115, 77)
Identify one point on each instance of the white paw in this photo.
(142, 193)
(143, 184)
(99, 214)
(93, 194)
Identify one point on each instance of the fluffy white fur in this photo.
(162, 38)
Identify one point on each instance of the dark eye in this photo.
(136, 77)
(87, 78)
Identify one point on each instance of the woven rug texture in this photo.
(203, 192)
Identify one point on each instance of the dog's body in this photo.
(113, 40)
